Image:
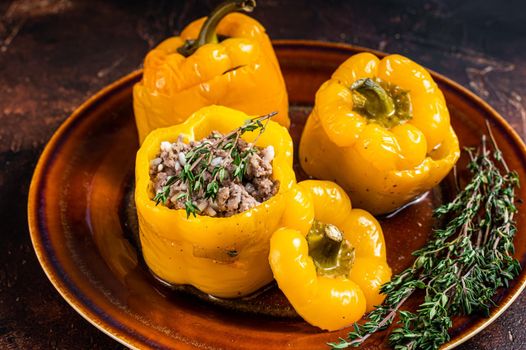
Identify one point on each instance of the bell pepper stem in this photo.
(208, 31)
(207, 34)
(331, 253)
(372, 97)
(325, 244)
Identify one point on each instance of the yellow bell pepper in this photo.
(194, 70)
(381, 130)
(223, 256)
(331, 282)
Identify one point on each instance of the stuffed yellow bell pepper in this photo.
(223, 256)
(332, 271)
(381, 130)
(226, 59)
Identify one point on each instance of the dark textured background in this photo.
(56, 53)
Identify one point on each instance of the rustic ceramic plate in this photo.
(81, 222)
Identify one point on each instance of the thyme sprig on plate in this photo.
(199, 159)
(461, 267)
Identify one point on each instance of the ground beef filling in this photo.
(234, 195)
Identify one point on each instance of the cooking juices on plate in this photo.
(217, 199)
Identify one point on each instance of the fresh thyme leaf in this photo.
(239, 172)
(171, 180)
(197, 184)
(236, 157)
(190, 208)
(181, 195)
(461, 267)
(162, 196)
(222, 174)
(211, 189)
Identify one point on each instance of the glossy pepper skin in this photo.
(225, 257)
(331, 303)
(240, 72)
(382, 168)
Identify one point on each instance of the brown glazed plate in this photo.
(82, 224)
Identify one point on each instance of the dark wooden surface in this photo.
(56, 53)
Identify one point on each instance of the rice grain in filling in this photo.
(234, 195)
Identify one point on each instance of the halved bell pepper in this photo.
(381, 130)
(331, 271)
(223, 256)
(196, 69)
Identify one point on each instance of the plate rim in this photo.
(132, 341)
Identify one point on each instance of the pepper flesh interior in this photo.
(385, 103)
(332, 254)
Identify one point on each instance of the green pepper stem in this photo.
(325, 246)
(331, 253)
(208, 31)
(373, 98)
(207, 34)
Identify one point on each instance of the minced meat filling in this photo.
(234, 193)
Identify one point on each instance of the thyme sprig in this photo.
(199, 159)
(461, 267)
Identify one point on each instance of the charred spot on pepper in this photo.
(382, 102)
(232, 253)
(219, 255)
(234, 69)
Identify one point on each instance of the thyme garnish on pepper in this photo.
(461, 267)
(199, 159)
